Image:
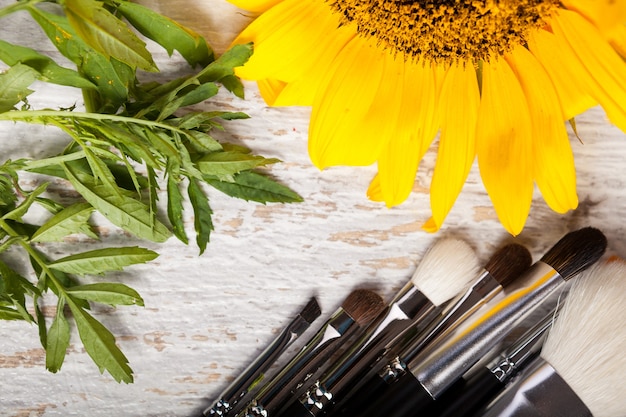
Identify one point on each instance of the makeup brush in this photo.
(580, 370)
(432, 372)
(476, 390)
(503, 268)
(444, 271)
(356, 312)
(252, 375)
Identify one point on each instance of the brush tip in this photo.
(587, 341)
(363, 306)
(311, 311)
(446, 270)
(576, 251)
(508, 263)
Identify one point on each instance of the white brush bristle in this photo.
(445, 270)
(587, 343)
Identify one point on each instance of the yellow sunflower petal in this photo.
(617, 38)
(256, 6)
(411, 126)
(605, 69)
(604, 14)
(270, 89)
(290, 38)
(562, 66)
(374, 191)
(504, 145)
(553, 161)
(340, 132)
(458, 107)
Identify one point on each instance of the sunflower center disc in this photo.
(445, 31)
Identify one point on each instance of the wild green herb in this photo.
(132, 138)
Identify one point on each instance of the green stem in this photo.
(42, 163)
(31, 116)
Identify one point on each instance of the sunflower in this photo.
(496, 79)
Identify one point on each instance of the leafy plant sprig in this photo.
(132, 138)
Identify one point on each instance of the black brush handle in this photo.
(360, 400)
(405, 398)
(296, 409)
(467, 396)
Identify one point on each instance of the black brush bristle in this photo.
(508, 263)
(576, 251)
(311, 311)
(363, 306)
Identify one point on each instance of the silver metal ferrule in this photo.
(523, 350)
(316, 398)
(539, 391)
(438, 368)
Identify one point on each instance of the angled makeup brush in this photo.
(445, 270)
(476, 390)
(580, 370)
(503, 268)
(356, 312)
(251, 376)
(437, 368)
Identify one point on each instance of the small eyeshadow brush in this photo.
(580, 369)
(356, 312)
(252, 375)
(432, 372)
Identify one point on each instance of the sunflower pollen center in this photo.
(445, 31)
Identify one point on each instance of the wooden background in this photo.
(205, 318)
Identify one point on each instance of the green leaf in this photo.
(22, 208)
(202, 222)
(14, 85)
(107, 34)
(8, 313)
(99, 261)
(112, 77)
(225, 64)
(73, 219)
(107, 293)
(121, 210)
(251, 186)
(14, 288)
(234, 85)
(224, 164)
(58, 339)
(167, 33)
(45, 66)
(100, 344)
(175, 208)
(203, 141)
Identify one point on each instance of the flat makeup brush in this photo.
(439, 366)
(580, 371)
(503, 268)
(252, 375)
(444, 271)
(476, 390)
(356, 312)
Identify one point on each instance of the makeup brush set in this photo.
(510, 338)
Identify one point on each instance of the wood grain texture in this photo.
(206, 317)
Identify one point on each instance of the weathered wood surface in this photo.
(206, 317)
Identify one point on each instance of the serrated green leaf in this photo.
(112, 77)
(202, 222)
(251, 186)
(203, 141)
(121, 210)
(45, 66)
(22, 208)
(14, 85)
(8, 313)
(225, 64)
(14, 288)
(224, 165)
(99, 261)
(107, 34)
(107, 293)
(167, 33)
(100, 344)
(175, 208)
(58, 339)
(234, 85)
(73, 219)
